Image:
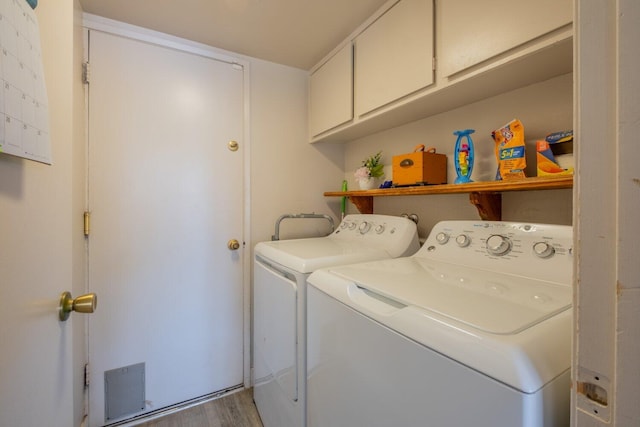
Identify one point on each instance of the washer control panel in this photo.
(397, 235)
(542, 251)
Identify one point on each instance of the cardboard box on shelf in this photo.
(419, 168)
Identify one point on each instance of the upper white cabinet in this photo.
(482, 48)
(331, 92)
(475, 31)
(394, 55)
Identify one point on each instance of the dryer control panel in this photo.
(540, 251)
(397, 235)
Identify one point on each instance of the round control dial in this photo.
(498, 245)
(543, 249)
(442, 238)
(379, 229)
(352, 226)
(344, 224)
(463, 240)
(364, 227)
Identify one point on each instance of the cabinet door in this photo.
(394, 55)
(474, 31)
(331, 92)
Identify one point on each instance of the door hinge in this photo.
(87, 223)
(85, 73)
(433, 63)
(86, 375)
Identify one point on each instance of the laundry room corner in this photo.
(288, 175)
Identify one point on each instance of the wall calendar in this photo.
(24, 114)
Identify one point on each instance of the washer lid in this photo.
(489, 301)
(308, 255)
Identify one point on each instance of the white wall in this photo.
(542, 108)
(288, 175)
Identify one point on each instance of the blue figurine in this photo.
(463, 156)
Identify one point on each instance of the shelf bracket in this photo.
(489, 205)
(364, 204)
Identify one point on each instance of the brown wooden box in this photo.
(419, 168)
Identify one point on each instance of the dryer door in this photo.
(275, 352)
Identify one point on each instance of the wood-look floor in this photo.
(234, 410)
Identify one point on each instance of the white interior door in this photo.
(38, 243)
(36, 370)
(165, 195)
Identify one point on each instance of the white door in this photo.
(38, 373)
(165, 195)
(36, 377)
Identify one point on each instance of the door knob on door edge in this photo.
(233, 245)
(82, 304)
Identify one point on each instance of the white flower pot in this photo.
(368, 183)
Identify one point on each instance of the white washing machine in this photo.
(281, 269)
(472, 330)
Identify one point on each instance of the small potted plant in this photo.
(368, 174)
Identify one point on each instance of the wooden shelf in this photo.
(485, 196)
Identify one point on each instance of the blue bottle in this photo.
(463, 156)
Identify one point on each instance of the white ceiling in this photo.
(298, 33)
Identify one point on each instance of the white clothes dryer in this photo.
(281, 269)
(473, 330)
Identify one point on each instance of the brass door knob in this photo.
(82, 304)
(233, 245)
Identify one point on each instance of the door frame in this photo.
(93, 22)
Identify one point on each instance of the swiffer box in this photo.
(555, 154)
(419, 168)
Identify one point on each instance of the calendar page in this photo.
(24, 114)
